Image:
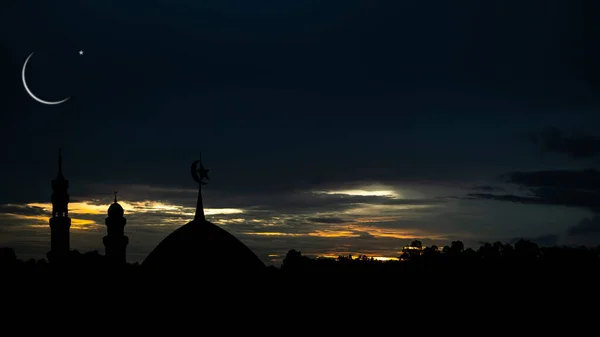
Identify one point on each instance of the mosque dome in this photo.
(201, 247)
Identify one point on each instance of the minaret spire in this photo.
(199, 174)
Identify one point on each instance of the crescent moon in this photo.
(29, 91)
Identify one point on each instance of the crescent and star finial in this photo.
(199, 173)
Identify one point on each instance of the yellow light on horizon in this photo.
(42, 221)
(355, 256)
(132, 207)
(214, 211)
(334, 234)
(363, 192)
(273, 234)
(385, 258)
(74, 207)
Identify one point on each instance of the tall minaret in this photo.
(115, 241)
(60, 223)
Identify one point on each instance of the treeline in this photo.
(522, 257)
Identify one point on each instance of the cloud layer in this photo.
(372, 219)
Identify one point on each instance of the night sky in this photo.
(330, 127)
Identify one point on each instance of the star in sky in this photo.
(81, 52)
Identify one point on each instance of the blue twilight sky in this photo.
(329, 126)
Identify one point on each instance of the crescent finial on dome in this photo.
(115, 192)
(199, 174)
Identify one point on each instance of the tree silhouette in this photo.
(498, 258)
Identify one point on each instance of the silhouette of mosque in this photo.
(198, 244)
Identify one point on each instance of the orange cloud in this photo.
(376, 219)
(334, 234)
(74, 208)
(380, 232)
(273, 234)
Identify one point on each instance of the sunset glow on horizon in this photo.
(360, 221)
(357, 256)
(363, 221)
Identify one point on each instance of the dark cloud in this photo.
(487, 188)
(578, 188)
(586, 227)
(22, 210)
(548, 240)
(328, 220)
(584, 233)
(507, 197)
(568, 179)
(576, 145)
(570, 198)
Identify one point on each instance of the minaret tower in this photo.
(60, 223)
(115, 241)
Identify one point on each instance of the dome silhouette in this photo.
(201, 246)
(115, 210)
